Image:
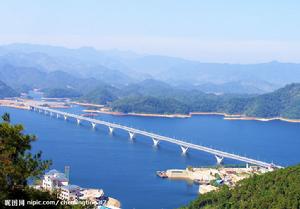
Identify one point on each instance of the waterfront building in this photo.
(54, 180)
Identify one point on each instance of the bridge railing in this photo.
(160, 137)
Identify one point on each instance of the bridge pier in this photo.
(219, 159)
(131, 135)
(184, 149)
(78, 121)
(155, 142)
(111, 129)
(219, 155)
(51, 114)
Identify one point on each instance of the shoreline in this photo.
(226, 116)
(15, 104)
(209, 178)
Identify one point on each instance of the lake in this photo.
(125, 169)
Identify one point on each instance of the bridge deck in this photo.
(162, 138)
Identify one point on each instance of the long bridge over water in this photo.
(220, 155)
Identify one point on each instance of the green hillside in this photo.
(279, 189)
(61, 93)
(284, 102)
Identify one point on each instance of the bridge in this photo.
(219, 155)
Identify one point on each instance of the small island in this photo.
(211, 178)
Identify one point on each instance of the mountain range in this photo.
(116, 67)
(130, 82)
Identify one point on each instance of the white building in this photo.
(54, 180)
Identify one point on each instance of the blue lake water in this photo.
(126, 170)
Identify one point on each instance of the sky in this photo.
(233, 31)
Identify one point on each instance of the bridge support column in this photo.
(51, 114)
(111, 129)
(45, 112)
(155, 142)
(65, 117)
(247, 165)
(131, 135)
(57, 115)
(219, 159)
(184, 149)
(40, 110)
(93, 125)
(78, 121)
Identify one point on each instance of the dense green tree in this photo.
(279, 189)
(6, 117)
(18, 165)
(281, 103)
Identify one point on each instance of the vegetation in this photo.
(278, 189)
(101, 95)
(18, 166)
(148, 104)
(281, 103)
(61, 93)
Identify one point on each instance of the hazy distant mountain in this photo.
(234, 87)
(24, 78)
(73, 66)
(273, 72)
(125, 67)
(6, 91)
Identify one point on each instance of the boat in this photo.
(161, 174)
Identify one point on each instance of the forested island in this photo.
(156, 97)
(277, 189)
(283, 102)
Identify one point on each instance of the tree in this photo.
(6, 117)
(276, 189)
(17, 164)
